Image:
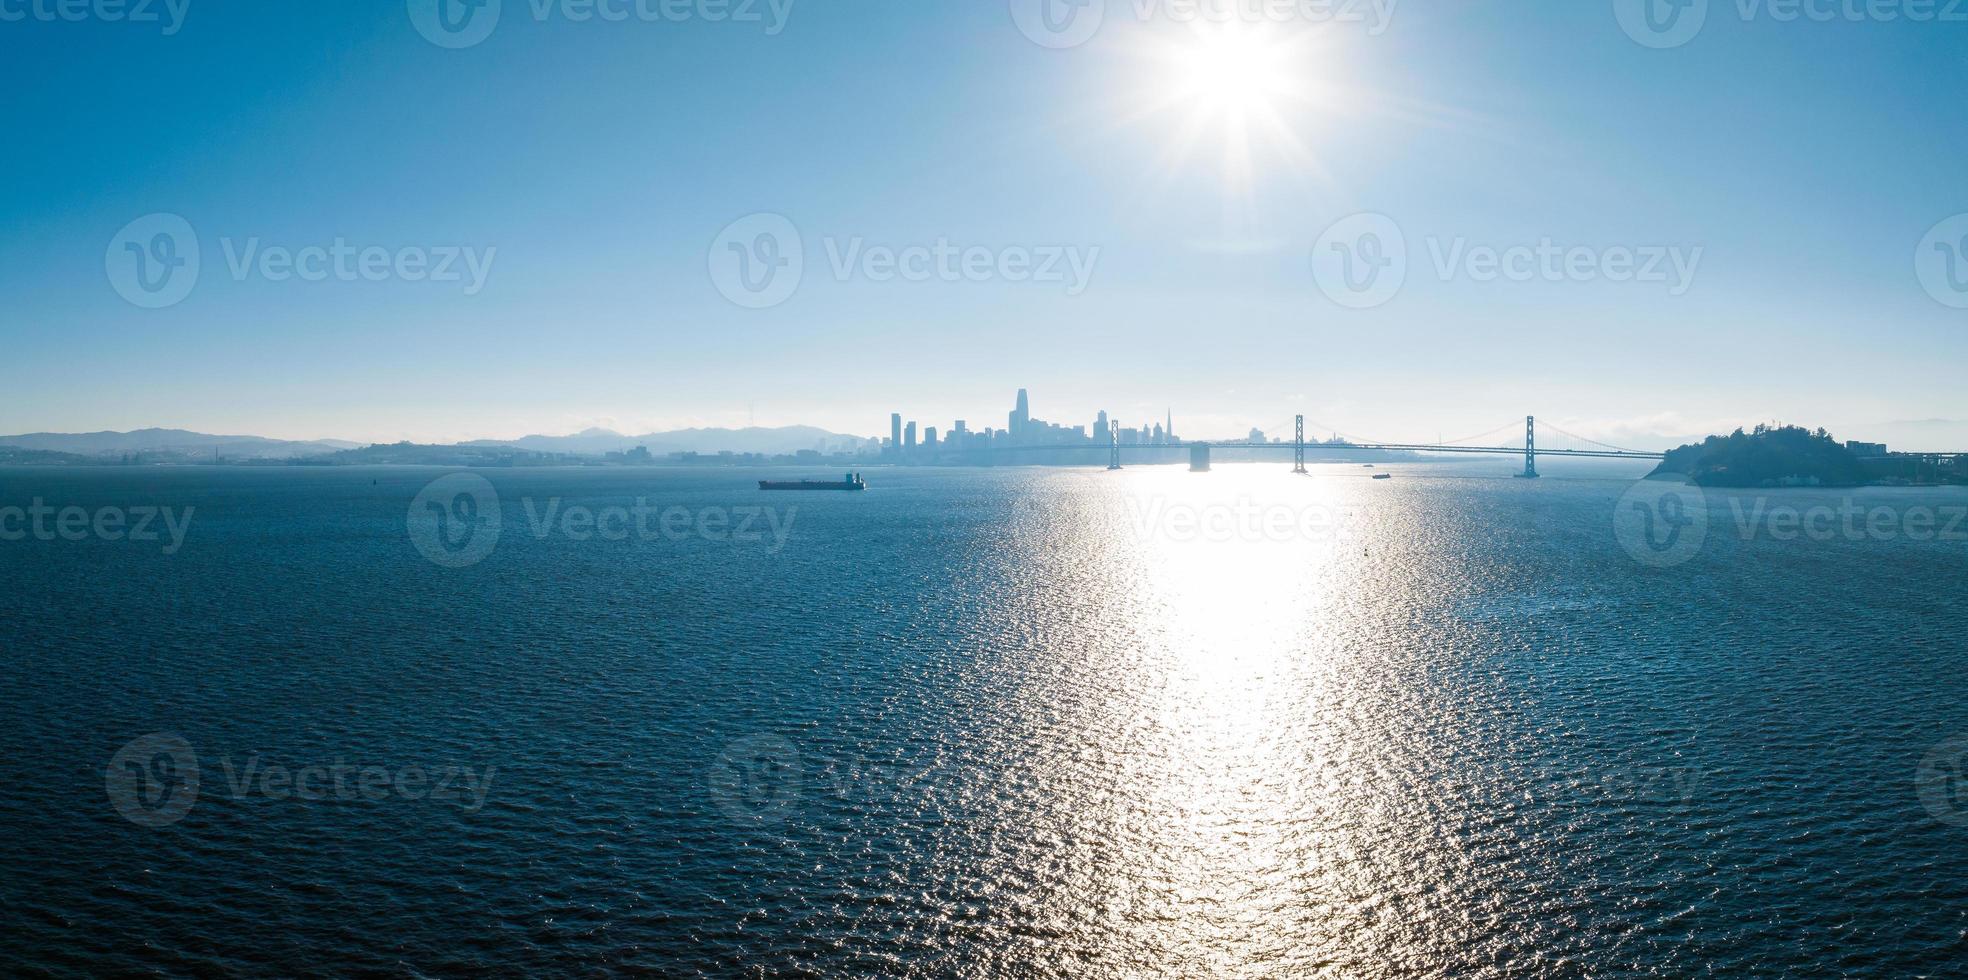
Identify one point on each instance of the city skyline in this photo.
(1021, 430)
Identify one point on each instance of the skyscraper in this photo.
(1021, 415)
(895, 431)
(909, 436)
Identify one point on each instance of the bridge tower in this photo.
(1530, 449)
(1298, 448)
(1114, 448)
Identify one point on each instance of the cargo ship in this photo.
(852, 482)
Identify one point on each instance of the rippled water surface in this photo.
(984, 723)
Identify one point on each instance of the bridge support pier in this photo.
(1114, 452)
(1199, 459)
(1298, 448)
(1530, 449)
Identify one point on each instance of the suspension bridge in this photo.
(1575, 446)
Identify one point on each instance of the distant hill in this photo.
(594, 442)
(180, 446)
(169, 443)
(413, 454)
(1770, 456)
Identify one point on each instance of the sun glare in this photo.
(1245, 95)
(1231, 74)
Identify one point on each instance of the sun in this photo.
(1253, 96)
(1232, 74)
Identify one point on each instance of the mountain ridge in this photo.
(591, 442)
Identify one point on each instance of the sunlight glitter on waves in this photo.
(1233, 564)
(1217, 756)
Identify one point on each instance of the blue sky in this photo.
(598, 164)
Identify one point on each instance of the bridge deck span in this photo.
(1351, 447)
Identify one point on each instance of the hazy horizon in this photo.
(1912, 435)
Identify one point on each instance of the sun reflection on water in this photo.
(1216, 714)
(1253, 734)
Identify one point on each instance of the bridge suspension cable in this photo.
(1318, 426)
(1505, 427)
(1594, 442)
